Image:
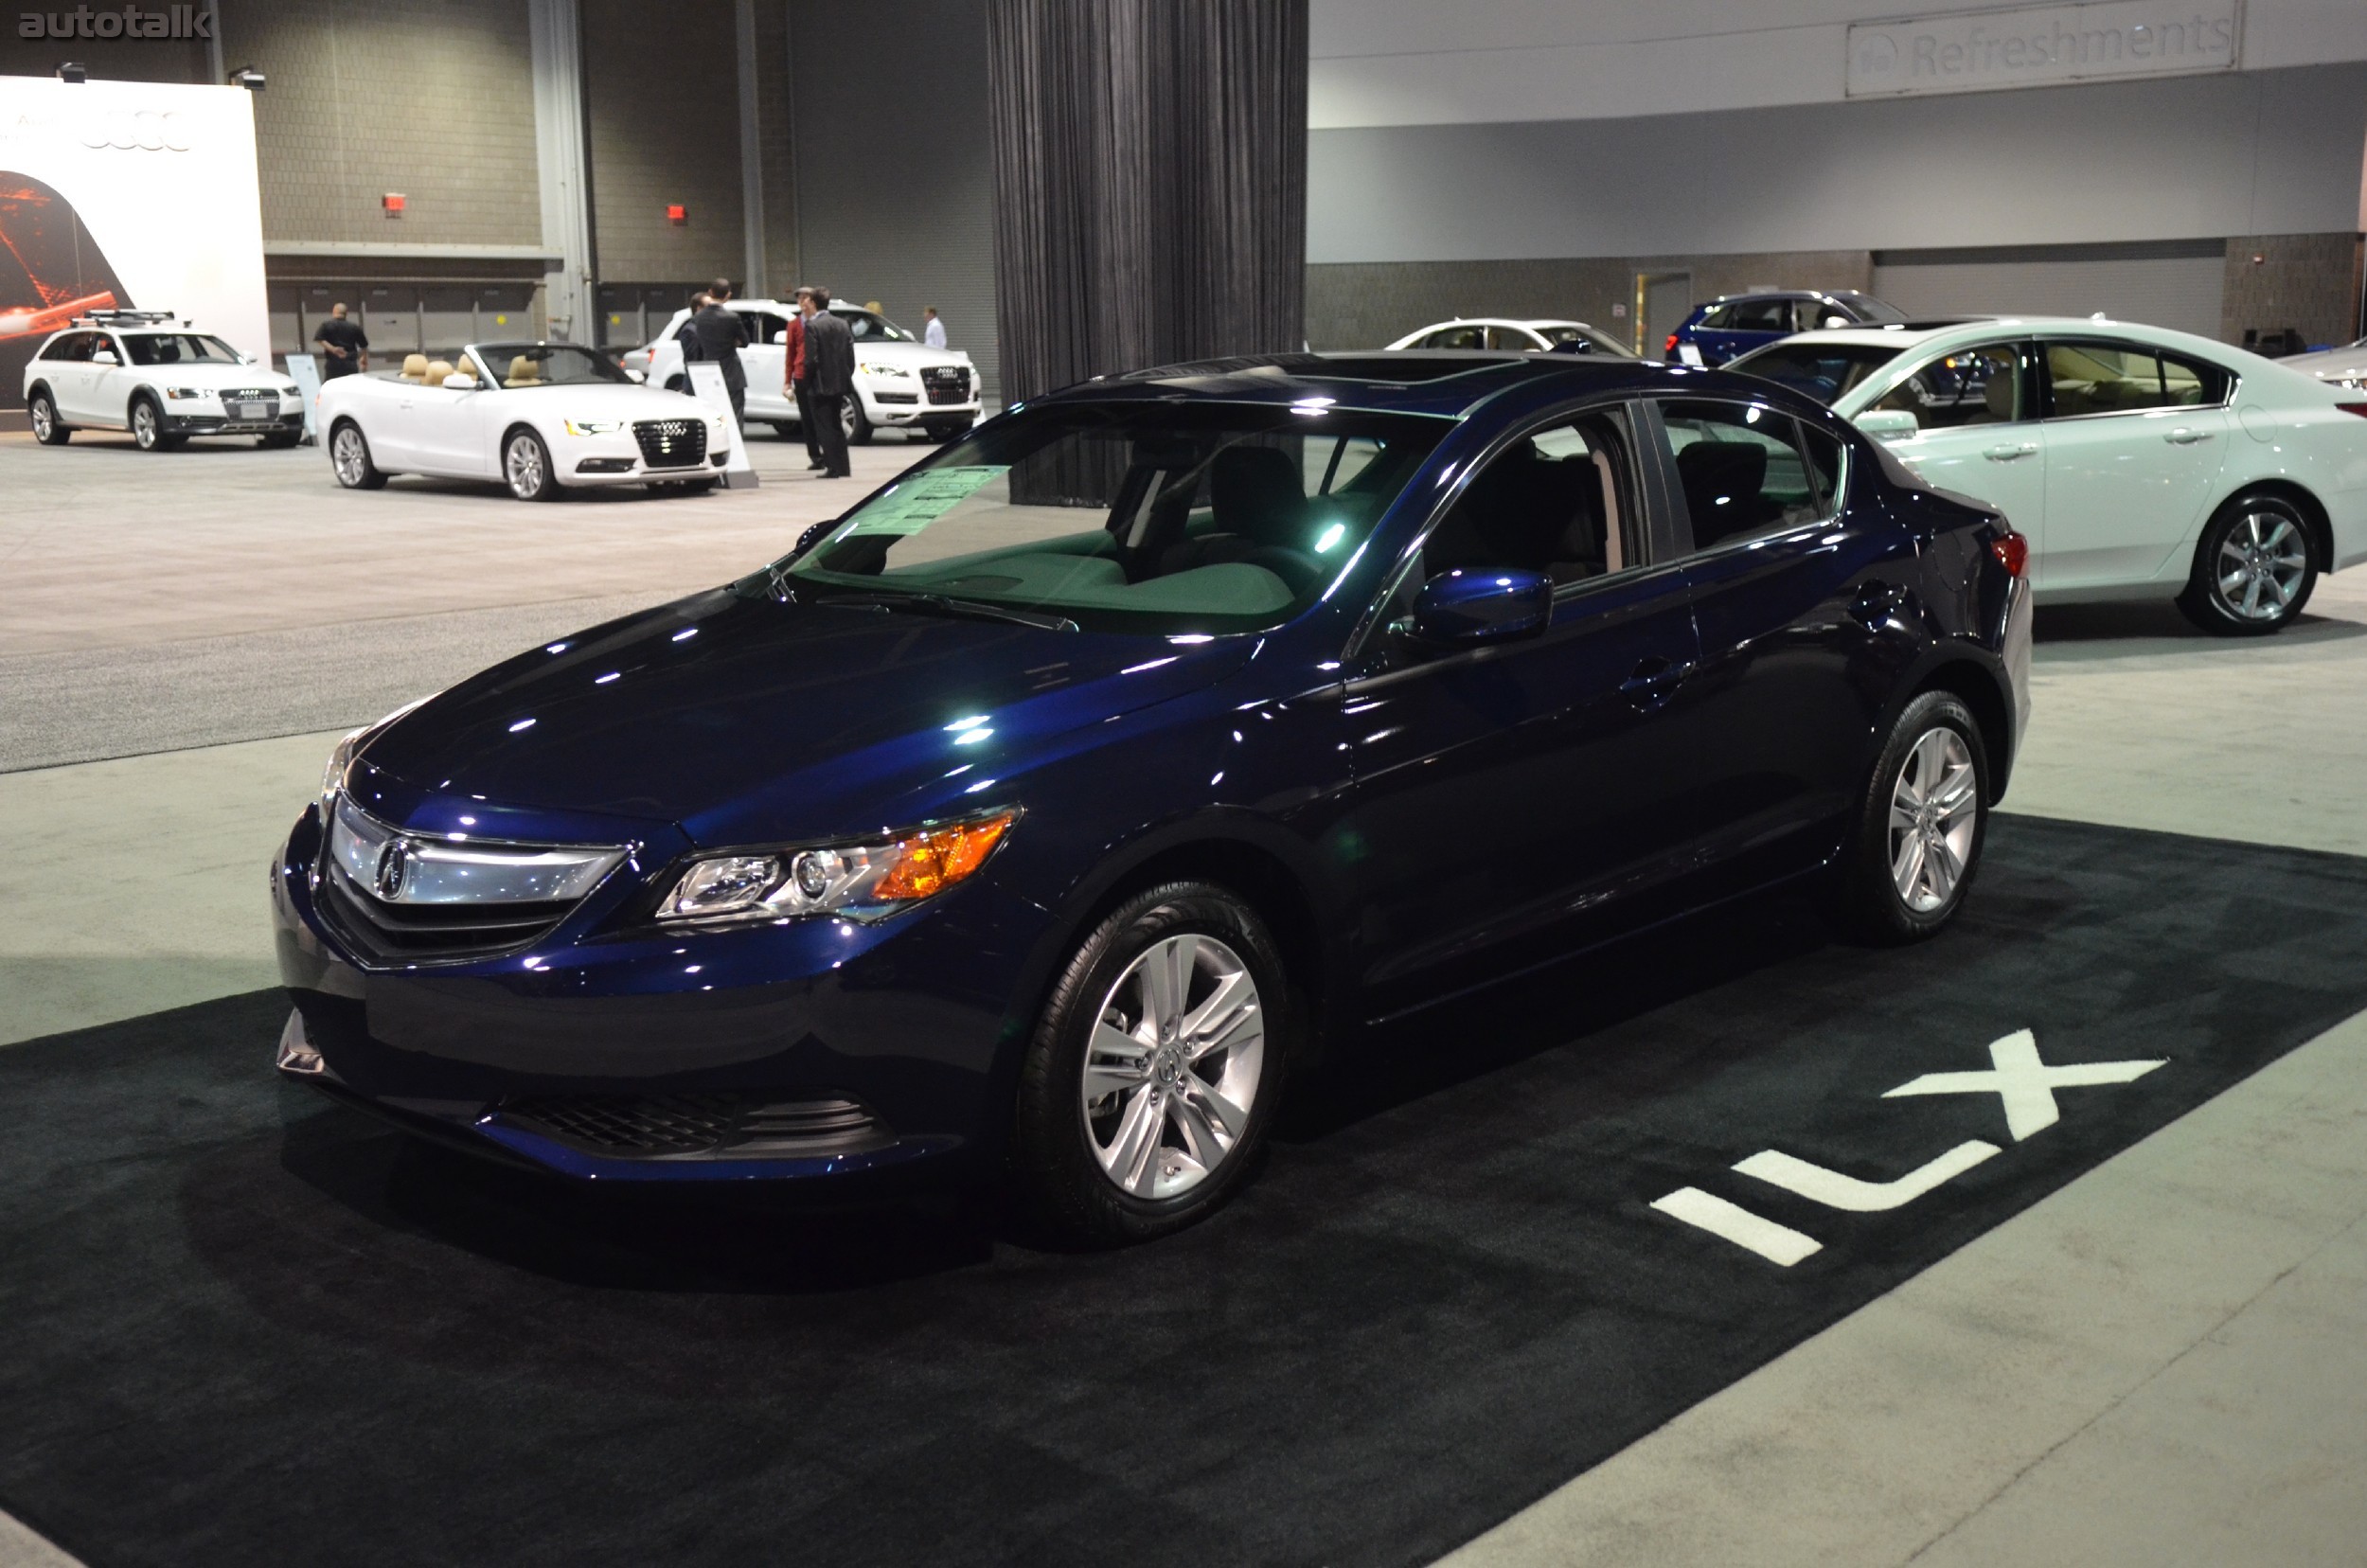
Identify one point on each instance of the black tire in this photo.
(2250, 553)
(1064, 1193)
(148, 424)
(942, 432)
(48, 429)
(1864, 897)
(527, 466)
(350, 459)
(279, 440)
(857, 423)
(787, 430)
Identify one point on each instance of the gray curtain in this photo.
(1150, 183)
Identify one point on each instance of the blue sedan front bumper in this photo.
(812, 1048)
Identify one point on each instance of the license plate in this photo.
(250, 410)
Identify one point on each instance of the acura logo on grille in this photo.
(394, 869)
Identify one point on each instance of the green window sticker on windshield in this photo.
(920, 499)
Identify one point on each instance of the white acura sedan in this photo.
(2140, 462)
(536, 417)
(2343, 366)
(1519, 334)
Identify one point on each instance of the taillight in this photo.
(2359, 409)
(2012, 551)
(1670, 346)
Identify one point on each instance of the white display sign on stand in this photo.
(306, 372)
(706, 384)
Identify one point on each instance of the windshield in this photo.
(178, 349)
(549, 364)
(1131, 517)
(868, 327)
(1578, 338)
(1823, 371)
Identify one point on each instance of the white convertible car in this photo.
(1520, 335)
(536, 417)
(2140, 462)
(900, 382)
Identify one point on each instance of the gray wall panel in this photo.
(2181, 291)
(2241, 153)
(894, 167)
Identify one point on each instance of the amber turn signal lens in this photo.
(937, 858)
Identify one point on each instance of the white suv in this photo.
(900, 382)
(136, 370)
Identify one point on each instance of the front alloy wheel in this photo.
(1154, 1071)
(349, 459)
(2253, 568)
(1173, 1065)
(148, 429)
(527, 465)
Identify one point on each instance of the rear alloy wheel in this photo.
(349, 459)
(2253, 568)
(47, 428)
(1146, 1090)
(1906, 866)
(527, 465)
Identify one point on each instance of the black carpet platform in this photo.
(241, 1325)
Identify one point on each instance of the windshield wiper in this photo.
(944, 604)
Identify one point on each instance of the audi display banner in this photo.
(126, 195)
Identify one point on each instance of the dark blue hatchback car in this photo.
(1038, 820)
(1732, 325)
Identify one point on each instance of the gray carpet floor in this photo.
(86, 704)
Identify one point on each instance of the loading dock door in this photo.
(2176, 285)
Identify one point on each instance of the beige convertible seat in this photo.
(437, 371)
(523, 371)
(414, 368)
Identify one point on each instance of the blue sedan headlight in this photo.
(857, 880)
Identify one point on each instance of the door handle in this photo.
(1652, 681)
(2008, 452)
(2187, 435)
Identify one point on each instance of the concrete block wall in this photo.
(433, 99)
(1369, 303)
(662, 90)
(2310, 282)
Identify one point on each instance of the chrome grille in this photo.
(946, 383)
(671, 443)
(680, 1126)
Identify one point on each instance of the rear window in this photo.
(1823, 371)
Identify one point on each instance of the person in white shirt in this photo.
(934, 333)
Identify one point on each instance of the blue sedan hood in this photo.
(746, 719)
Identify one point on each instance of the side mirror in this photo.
(104, 356)
(636, 376)
(461, 380)
(813, 536)
(1888, 424)
(1467, 608)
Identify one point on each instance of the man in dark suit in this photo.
(794, 361)
(721, 336)
(829, 381)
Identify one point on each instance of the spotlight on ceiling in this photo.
(248, 78)
(73, 70)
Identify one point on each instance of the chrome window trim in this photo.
(2235, 381)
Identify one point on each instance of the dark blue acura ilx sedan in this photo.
(1036, 821)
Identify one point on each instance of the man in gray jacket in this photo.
(829, 381)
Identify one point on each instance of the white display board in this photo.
(141, 190)
(706, 384)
